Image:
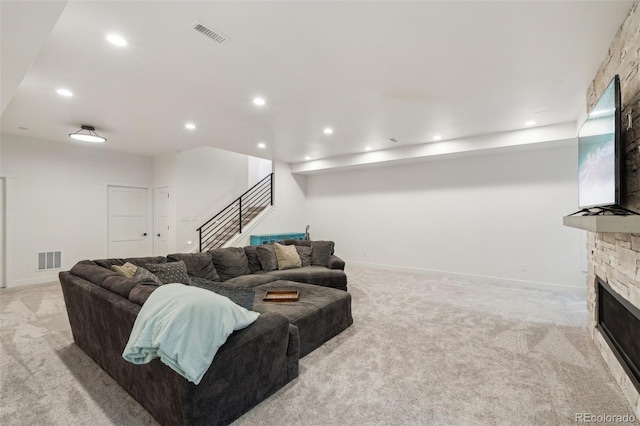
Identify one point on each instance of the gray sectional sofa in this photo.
(102, 306)
(325, 269)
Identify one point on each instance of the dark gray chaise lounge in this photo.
(254, 363)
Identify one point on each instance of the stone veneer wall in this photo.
(623, 59)
(615, 258)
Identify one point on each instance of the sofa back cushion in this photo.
(103, 277)
(199, 265)
(230, 262)
(267, 256)
(252, 257)
(292, 242)
(138, 261)
(321, 251)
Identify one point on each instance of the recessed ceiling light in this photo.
(64, 92)
(190, 126)
(259, 101)
(530, 123)
(307, 158)
(327, 131)
(437, 137)
(117, 40)
(367, 148)
(262, 145)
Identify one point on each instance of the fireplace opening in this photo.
(619, 322)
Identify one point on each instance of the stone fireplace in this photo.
(618, 323)
(615, 259)
(613, 244)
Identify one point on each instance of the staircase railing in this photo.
(230, 220)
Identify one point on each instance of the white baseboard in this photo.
(505, 282)
(32, 281)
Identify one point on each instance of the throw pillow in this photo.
(239, 296)
(267, 256)
(230, 262)
(321, 251)
(171, 272)
(128, 269)
(287, 256)
(143, 275)
(305, 255)
(198, 264)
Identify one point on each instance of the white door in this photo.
(161, 221)
(129, 222)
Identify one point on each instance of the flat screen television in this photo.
(599, 151)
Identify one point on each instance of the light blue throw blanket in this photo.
(184, 326)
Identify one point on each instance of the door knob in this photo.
(144, 235)
(158, 235)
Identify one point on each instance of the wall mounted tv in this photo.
(599, 151)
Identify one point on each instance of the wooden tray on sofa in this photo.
(281, 296)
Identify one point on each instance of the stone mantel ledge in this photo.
(619, 224)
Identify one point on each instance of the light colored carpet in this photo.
(421, 351)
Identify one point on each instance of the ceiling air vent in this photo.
(213, 35)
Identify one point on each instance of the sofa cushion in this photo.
(251, 280)
(298, 243)
(320, 313)
(267, 256)
(318, 275)
(141, 292)
(198, 264)
(240, 296)
(171, 272)
(138, 261)
(287, 256)
(253, 259)
(336, 263)
(104, 277)
(321, 251)
(230, 262)
(305, 255)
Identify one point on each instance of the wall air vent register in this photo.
(49, 260)
(216, 36)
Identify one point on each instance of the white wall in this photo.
(2, 233)
(57, 200)
(289, 198)
(206, 180)
(484, 216)
(258, 169)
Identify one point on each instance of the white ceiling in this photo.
(370, 70)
